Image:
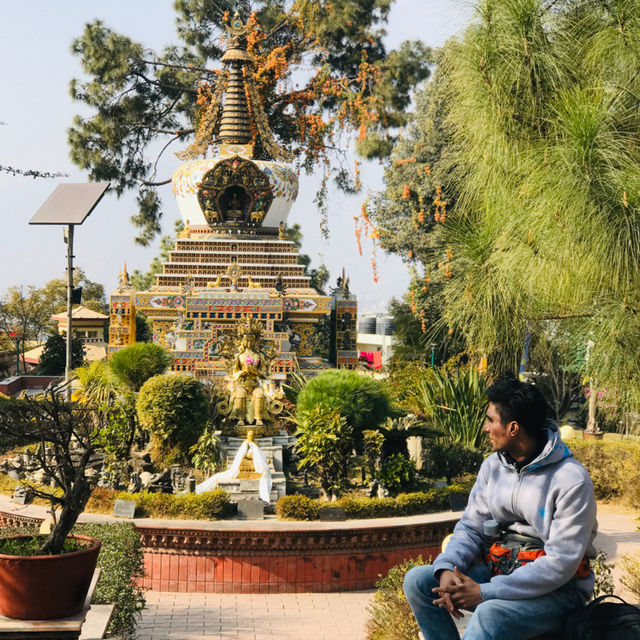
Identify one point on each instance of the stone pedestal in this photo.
(248, 488)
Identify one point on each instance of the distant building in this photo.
(88, 325)
(375, 339)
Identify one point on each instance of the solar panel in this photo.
(70, 203)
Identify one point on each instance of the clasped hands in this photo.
(457, 591)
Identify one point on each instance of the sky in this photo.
(36, 66)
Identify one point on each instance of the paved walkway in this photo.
(308, 616)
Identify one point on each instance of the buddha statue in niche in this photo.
(235, 205)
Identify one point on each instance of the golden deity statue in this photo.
(250, 399)
(249, 368)
(186, 232)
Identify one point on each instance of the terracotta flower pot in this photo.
(46, 587)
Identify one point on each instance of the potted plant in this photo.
(49, 577)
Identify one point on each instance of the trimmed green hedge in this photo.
(299, 507)
(213, 505)
(122, 563)
(614, 467)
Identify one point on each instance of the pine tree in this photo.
(141, 101)
(541, 175)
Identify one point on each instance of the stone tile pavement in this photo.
(296, 616)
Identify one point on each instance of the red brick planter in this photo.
(243, 560)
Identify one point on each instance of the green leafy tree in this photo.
(54, 295)
(76, 434)
(141, 100)
(21, 319)
(138, 362)
(175, 411)
(54, 355)
(420, 333)
(25, 314)
(360, 399)
(324, 446)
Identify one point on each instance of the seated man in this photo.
(519, 555)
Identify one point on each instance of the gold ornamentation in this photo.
(186, 232)
(235, 191)
(209, 121)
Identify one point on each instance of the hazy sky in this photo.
(36, 66)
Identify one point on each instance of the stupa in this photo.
(233, 260)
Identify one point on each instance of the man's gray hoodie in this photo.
(550, 498)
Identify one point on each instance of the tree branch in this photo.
(149, 183)
(186, 67)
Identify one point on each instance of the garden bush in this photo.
(174, 409)
(296, 507)
(397, 474)
(614, 468)
(212, 505)
(324, 448)
(391, 615)
(631, 576)
(122, 563)
(362, 400)
(450, 460)
(139, 362)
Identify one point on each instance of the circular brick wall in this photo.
(247, 560)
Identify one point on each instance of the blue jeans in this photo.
(492, 619)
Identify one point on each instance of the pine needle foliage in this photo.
(539, 103)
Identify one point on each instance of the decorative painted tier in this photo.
(189, 177)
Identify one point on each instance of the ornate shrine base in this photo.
(287, 560)
(272, 447)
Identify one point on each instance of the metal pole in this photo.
(67, 369)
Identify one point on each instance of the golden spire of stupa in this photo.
(231, 117)
(235, 122)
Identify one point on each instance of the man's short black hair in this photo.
(522, 402)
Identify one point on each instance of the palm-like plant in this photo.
(456, 404)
